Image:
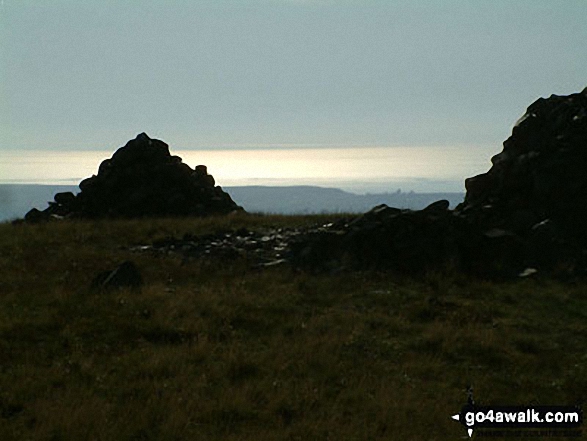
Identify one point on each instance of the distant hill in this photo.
(310, 199)
(17, 199)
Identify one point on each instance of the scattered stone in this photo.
(269, 247)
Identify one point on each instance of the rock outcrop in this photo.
(537, 186)
(527, 214)
(142, 179)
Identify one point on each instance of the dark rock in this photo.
(374, 217)
(143, 179)
(86, 185)
(125, 275)
(385, 238)
(541, 171)
(536, 186)
(548, 248)
(35, 215)
(495, 253)
(441, 205)
(56, 209)
(317, 251)
(66, 199)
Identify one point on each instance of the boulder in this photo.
(125, 275)
(34, 215)
(67, 199)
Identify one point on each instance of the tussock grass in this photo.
(215, 350)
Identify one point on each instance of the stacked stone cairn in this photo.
(141, 179)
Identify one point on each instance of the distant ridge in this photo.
(310, 199)
(17, 199)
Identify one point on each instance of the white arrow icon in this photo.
(458, 418)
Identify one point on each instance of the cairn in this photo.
(141, 179)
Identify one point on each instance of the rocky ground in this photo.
(526, 215)
(384, 238)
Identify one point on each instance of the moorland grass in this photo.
(217, 350)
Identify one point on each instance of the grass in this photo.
(216, 350)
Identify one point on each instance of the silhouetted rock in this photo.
(441, 205)
(537, 182)
(142, 179)
(406, 241)
(541, 168)
(67, 199)
(34, 215)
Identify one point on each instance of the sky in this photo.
(89, 74)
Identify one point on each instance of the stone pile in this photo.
(141, 179)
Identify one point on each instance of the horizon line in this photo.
(258, 146)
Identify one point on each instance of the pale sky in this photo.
(89, 74)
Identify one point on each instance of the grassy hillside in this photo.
(212, 350)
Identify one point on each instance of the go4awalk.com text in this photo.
(552, 418)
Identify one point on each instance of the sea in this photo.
(357, 169)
